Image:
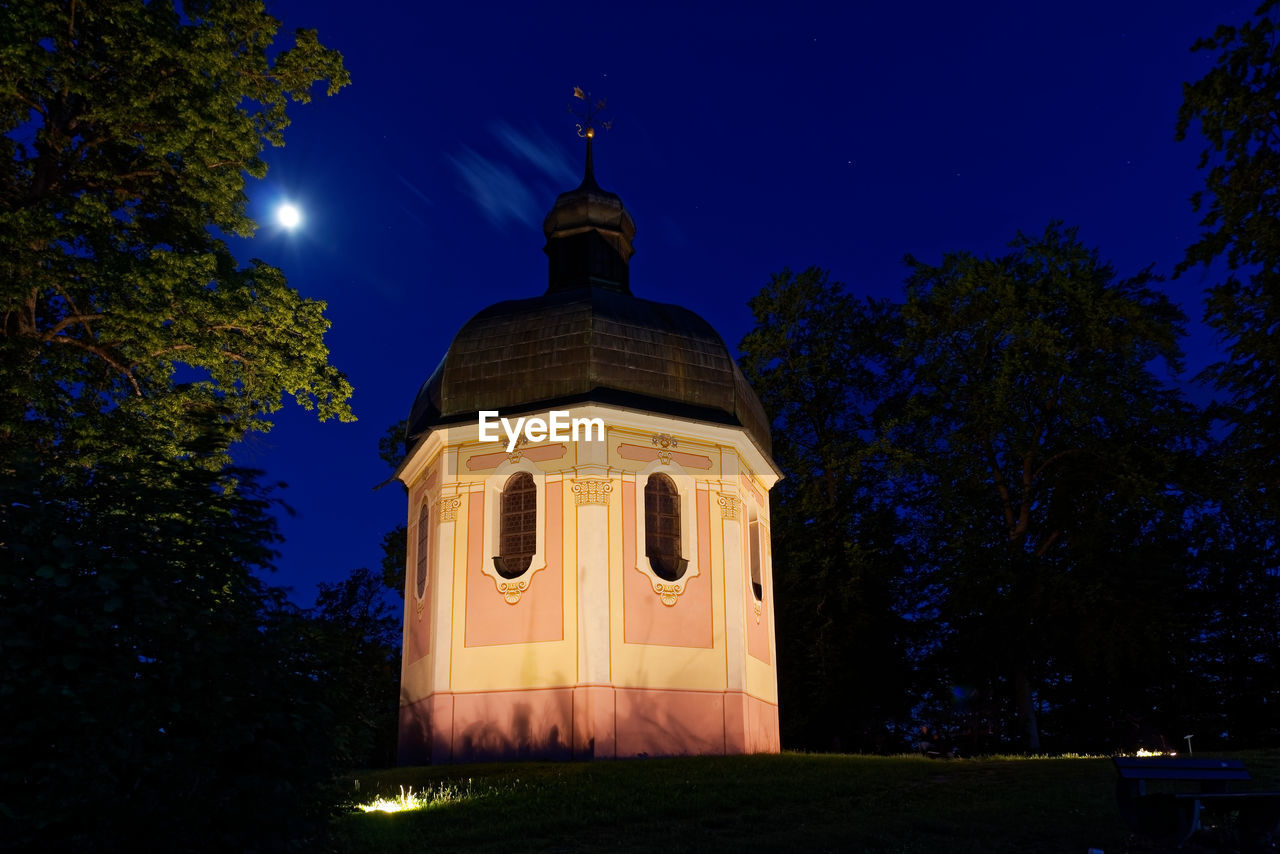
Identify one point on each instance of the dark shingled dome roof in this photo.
(588, 339)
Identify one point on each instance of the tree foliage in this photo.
(395, 543)
(143, 702)
(820, 361)
(999, 519)
(1040, 428)
(348, 646)
(1235, 106)
(149, 698)
(128, 133)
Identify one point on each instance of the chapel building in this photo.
(603, 595)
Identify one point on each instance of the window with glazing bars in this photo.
(662, 527)
(422, 555)
(757, 559)
(518, 534)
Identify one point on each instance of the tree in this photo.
(128, 131)
(1233, 592)
(819, 359)
(346, 650)
(1045, 448)
(1235, 104)
(357, 642)
(144, 705)
(395, 543)
(145, 693)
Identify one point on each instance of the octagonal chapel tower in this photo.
(603, 589)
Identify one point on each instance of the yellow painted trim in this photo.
(762, 681)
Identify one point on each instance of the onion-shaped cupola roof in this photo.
(587, 338)
(589, 235)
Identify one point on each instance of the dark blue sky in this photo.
(747, 137)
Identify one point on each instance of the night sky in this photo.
(746, 138)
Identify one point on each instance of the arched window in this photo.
(518, 528)
(422, 556)
(662, 528)
(757, 558)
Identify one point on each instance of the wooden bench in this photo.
(1189, 787)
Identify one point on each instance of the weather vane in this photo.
(590, 112)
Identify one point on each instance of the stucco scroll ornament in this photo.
(591, 492)
(758, 607)
(511, 588)
(517, 452)
(668, 591)
(729, 505)
(664, 442)
(447, 509)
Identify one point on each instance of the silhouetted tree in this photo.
(146, 705)
(819, 359)
(145, 702)
(1235, 106)
(1231, 678)
(1045, 447)
(348, 646)
(395, 543)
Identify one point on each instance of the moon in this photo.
(288, 216)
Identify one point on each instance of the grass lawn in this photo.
(791, 802)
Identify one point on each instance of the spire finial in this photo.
(589, 117)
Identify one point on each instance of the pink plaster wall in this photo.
(539, 615)
(494, 725)
(704, 541)
(669, 723)
(758, 632)
(762, 727)
(584, 722)
(644, 454)
(418, 626)
(645, 620)
(537, 453)
(414, 744)
(441, 710)
(594, 722)
(735, 722)
(757, 626)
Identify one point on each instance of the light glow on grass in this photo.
(409, 801)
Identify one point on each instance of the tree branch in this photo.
(70, 321)
(103, 355)
(1054, 458)
(1001, 485)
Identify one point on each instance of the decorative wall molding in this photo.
(592, 492)
(536, 453)
(668, 591)
(665, 442)
(730, 505)
(511, 588)
(665, 456)
(447, 509)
